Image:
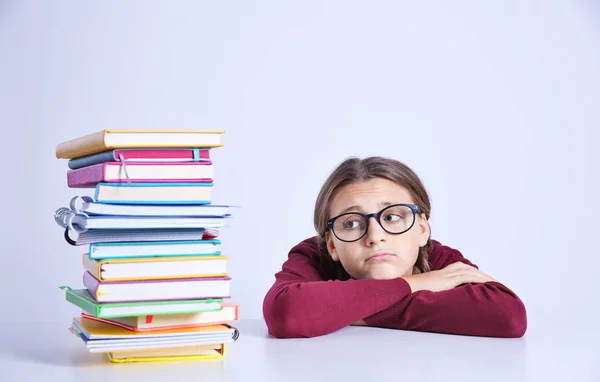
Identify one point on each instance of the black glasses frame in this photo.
(377, 215)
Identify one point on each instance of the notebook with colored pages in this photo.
(182, 353)
(115, 236)
(153, 193)
(80, 222)
(142, 155)
(84, 300)
(156, 290)
(88, 206)
(88, 177)
(101, 337)
(130, 250)
(120, 139)
(156, 268)
(228, 314)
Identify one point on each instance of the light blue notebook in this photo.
(100, 251)
(153, 193)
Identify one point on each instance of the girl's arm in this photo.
(489, 309)
(301, 304)
(481, 309)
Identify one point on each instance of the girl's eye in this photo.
(392, 217)
(350, 224)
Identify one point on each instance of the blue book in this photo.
(153, 193)
(99, 251)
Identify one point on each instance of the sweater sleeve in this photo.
(301, 304)
(479, 309)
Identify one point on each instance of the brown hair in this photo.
(355, 170)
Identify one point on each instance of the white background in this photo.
(495, 106)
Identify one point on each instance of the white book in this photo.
(154, 290)
(114, 171)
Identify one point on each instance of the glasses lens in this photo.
(397, 219)
(349, 227)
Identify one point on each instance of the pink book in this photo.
(142, 172)
(157, 290)
(142, 155)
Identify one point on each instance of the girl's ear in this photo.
(424, 230)
(331, 247)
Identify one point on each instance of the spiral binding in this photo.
(64, 218)
(80, 203)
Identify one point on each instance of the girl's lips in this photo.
(380, 256)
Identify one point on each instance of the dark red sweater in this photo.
(313, 296)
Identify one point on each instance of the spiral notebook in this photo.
(88, 206)
(81, 222)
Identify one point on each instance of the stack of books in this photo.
(155, 284)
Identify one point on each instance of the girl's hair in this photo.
(355, 170)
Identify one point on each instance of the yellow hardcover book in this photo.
(170, 354)
(115, 139)
(156, 268)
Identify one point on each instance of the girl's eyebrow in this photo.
(357, 207)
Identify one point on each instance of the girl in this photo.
(373, 263)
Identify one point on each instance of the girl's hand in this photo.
(452, 276)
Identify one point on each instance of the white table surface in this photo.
(48, 352)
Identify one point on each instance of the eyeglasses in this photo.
(394, 219)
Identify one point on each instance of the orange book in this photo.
(120, 139)
(147, 323)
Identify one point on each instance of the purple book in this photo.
(157, 290)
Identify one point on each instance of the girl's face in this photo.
(378, 254)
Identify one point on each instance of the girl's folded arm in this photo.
(483, 309)
(301, 304)
(488, 309)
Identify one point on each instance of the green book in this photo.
(84, 300)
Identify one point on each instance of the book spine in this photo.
(91, 284)
(89, 160)
(86, 177)
(84, 304)
(75, 148)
